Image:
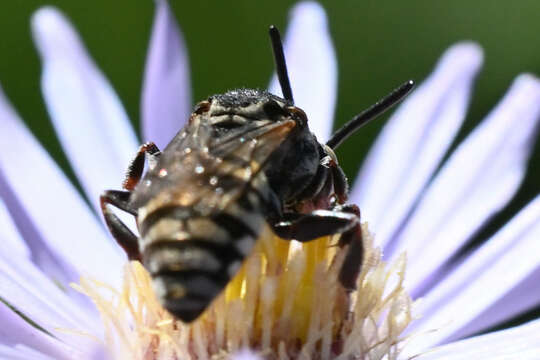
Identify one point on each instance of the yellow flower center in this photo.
(285, 302)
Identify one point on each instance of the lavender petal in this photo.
(520, 342)
(15, 331)
(87, 115)
(480, 177)
(65, 239)
(493, 284)
(312, 65)
(25, 287)
(22, 352)
(413, 142)
(166, 97)
(12, 241)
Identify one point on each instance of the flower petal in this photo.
(312, 66)
(26, 288)
(16, 331)
(86, 113)
(12, 242)
(520, 342)
(413, 142)
(22, 352)
(166, 96)
(245, 354)
(65, 239)
(480, 177)
(521, 296)
(493, 284)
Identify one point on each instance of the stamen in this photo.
(285, 302)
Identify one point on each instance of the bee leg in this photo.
(136, 167)
(352, 263)
(344, 219)
(306, 227)
(119, 199)
(341, 187)
(121, 233)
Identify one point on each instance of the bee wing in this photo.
(240, 157)
(210, 172)
(249, 148)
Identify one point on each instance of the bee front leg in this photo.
(306, 227)
(344, 220)
(136, 167)
(121, 233)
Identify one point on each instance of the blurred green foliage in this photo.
(379, 44)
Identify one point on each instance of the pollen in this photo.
(285, 302)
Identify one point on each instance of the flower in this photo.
(51, 238)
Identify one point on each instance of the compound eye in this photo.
(298, 113)
(273, 110)
(202, 107)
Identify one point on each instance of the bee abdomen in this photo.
(187, 274)
(192, 259)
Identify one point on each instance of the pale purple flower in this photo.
(50, 237)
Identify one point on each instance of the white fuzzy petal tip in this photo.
(466, 54)
(310, 13)
(53, 33)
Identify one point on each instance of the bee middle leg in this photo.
(344, 220)
(121, 233)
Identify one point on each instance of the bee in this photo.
(246, 158)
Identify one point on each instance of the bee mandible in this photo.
(245, 158)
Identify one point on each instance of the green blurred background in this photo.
(379, 44)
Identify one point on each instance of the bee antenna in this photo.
(370, 113)
(281, 65)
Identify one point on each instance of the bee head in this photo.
(239, 107)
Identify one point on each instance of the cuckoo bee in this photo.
(246, 158)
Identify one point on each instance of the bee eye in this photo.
(273, 110)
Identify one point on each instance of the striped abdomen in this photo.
(192, 253)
